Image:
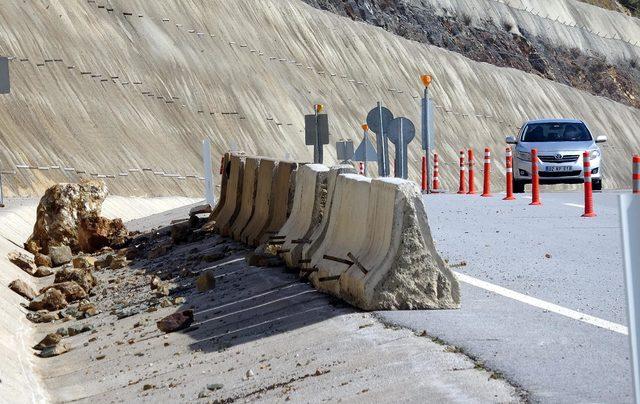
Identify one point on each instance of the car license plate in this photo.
(556, 169)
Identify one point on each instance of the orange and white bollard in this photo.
(588, 188)
(461, 190)
(361, 168)
(486, 185)
(436, 173)
(424, 173)
(636, 174)
(509, 169)
(472, 187)
(535, 179)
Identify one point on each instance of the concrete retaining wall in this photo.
(281, 200)
(306, 213)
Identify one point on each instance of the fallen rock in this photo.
(118, 263)
(78, 329)
(84, 261)
(180, 232)
(60, 255)
(56, 350)
(257, 259)
(42, 260)
(49, 341)
(22, 261)
(206, 281)
(104, 262)
(96, 232)
(51, 300)
(176, 322)
(163, 289)
(71, 290)
(21, 288)
(214, 386)
(42, 272)
(42, 317)
(159, 251)
(125, 312)
(69, 215)
(200, 210)
(82, 276)
(154, 282)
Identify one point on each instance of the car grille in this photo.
(559, 174)
(569, 158)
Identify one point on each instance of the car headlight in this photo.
(524, 155)
(594, 154)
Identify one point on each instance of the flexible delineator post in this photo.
(535, 180)
(509, 169)
(472, 187)
(588, 188)
(461, 190)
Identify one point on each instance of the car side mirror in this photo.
(510, 140)
(601, 139)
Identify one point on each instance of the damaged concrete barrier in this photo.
(346, 231)
(306, 213)
(381, 256)
(260, 216)
(317, 234)
(247, 201)
(231, 206)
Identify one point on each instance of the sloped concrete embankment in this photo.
(362, 240)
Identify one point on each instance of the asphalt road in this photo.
(550, 253)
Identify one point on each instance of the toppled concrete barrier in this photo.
(383, 257)
(247, 202)
(231, 203)
(317, 234)
(262, 204)
(306, 213)
(69, 215)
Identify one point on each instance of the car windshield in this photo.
(556, 132)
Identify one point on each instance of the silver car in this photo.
(560, 144)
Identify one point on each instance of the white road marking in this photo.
(541, 304)
(575, 205)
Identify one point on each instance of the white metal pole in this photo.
(208, 173)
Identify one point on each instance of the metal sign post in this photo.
(378, 120)
(629, 218)
(208, 173)
(428, 130)
(5, 88)
(365, 152)
(401, 133)
(317, 132)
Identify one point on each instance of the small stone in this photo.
(179, 300)
(42, 317)
(126, 312)
(180, 232)
(79, 329)
(203, 394)
(70, 289)
(154, 282)
(214, 386)
(22, 261)
(547, 255)
(163, 290)
(176, 322)
(206, 281)
(42, 271)
(82, 276)
(51, 300)
(49, 341)
(118, 263)
(62, 331)
(60, 255)
(148, 387)
(42, 260)
(56, 350)
(249, 373)
(83, 261)
(100, 357)
(21, 288)
(165, 302)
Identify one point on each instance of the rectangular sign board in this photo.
(4, 76)
(344, 150)
(310, 127)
